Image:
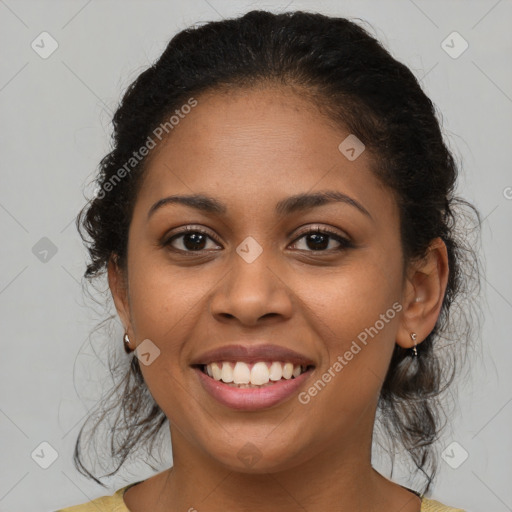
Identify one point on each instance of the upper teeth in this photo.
(260, 373)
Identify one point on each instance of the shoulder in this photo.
(112, 503)
(434, 506)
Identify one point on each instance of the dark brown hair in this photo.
(350, 77)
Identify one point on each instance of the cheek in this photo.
(353, 297)
(356, 316)
(163, 304)
(164, 298)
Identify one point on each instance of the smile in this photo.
(242, 386)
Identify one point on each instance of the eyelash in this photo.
(345, 243)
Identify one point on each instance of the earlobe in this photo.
(424, 294)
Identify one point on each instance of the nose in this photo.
(252, 293)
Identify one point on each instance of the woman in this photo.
(277, 222)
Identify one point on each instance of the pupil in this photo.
(196, 238)
(316, 237)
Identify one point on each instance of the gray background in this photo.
(56, 114)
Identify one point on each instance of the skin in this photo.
(250, 150)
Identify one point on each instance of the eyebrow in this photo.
(298, 202)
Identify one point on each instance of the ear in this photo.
(118, 285)
(423, 294)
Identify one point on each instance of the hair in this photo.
(351, 78)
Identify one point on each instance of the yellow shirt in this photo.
(115, 503)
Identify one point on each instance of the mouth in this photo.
(252, 387)
(252, 377)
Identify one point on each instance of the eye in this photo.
(195, 239)
(318, 239)
(191, 239)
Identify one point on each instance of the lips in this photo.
(252, 398)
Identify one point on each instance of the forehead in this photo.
(264, 122)
(252, 146)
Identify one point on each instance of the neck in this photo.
(338, 478)
(318, 484)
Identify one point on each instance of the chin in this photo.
(257, 457)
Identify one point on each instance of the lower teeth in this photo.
(233, 385)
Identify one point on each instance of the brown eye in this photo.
(191, 239)
(319, 239)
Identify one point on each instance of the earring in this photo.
(413, 337)
(126, 342)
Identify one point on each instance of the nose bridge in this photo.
(251, 289)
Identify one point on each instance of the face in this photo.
(248, 273)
